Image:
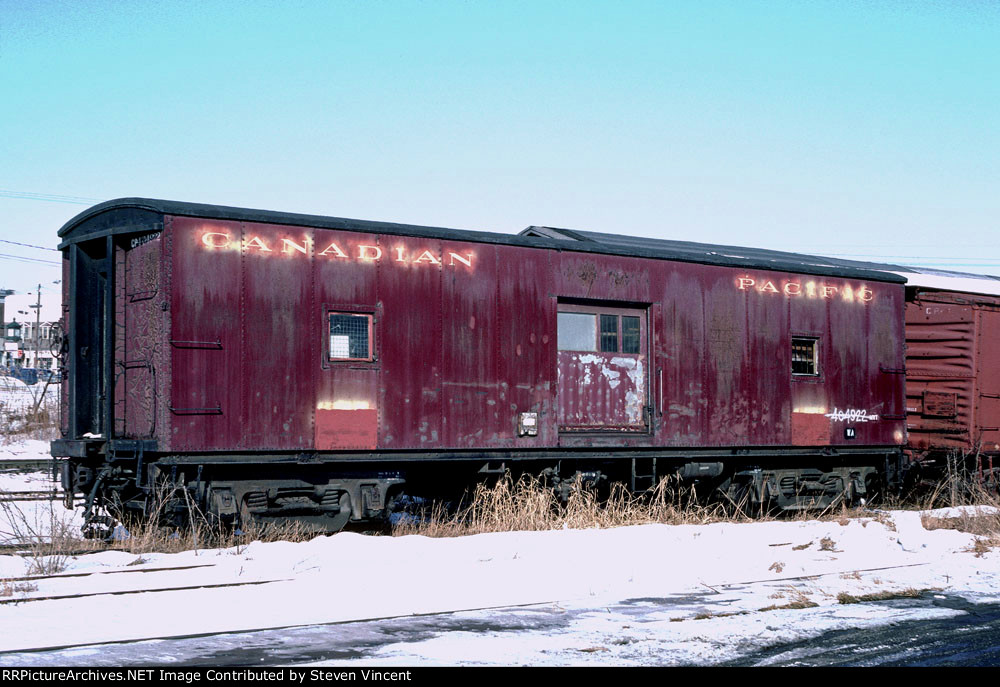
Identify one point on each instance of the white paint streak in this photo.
(681, 410)
(633, 407)
(851, 415)
(612, 377)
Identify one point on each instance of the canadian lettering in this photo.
(335, 250)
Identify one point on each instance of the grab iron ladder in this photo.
(643, 477)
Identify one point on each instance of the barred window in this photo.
(805, 356)
(609, 333)
(350, 336)
(630, 334)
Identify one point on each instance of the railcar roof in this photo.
(942, 280)
(133, 214)
(945, 280)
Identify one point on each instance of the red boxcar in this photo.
(290, 365)
(953, 371)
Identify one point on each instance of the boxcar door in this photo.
(988, 374)
(138, 334)
(347, 414)
(602, 368)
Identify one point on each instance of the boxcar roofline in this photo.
(134, 215)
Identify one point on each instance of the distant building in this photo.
(26, 332)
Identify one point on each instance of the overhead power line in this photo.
(28, 245)
(909, 257)
(21, 258)
(49, 197)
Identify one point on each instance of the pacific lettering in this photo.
(810, 289)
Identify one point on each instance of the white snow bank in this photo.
(962, 511)
(732, 568)
(27, 449)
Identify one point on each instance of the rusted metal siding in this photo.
(139, 340)
(988, 374)
(469, 331)
(953, 372)
(602, 391)
(524, 352)
(413, 352)
(278, 341)
(209, 373)
(465, 340)
(346, 403)
(727, 373)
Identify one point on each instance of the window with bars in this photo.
(609, 333)
(805, 356)
(630, 334)
(350, 336)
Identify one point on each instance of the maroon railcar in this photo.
(953, 371)
(275, 364)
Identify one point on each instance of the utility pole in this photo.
(38, 325)
(3, 325)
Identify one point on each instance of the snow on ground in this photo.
(29, 449)
(709, 593)
(17, 398)
(22, 519)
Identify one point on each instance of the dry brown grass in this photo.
(959, 488)
(36, 419)
(799, 600)
(527, 504)
(151, 538)
(46, 533)
(201, 531)
(50, 539)
(911, 593)
(971, 522)
(12, 587)
(984, 524)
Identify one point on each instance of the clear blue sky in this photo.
(849, 128)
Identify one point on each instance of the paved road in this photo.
(969, 637)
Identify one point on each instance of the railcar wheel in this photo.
(251, 522)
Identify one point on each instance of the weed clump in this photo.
(911, 593)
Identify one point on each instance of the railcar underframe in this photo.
(328, 492)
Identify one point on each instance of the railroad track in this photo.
(121, 592)
(63, 586)
(40, 495)
(32, 464)
(26, 549)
